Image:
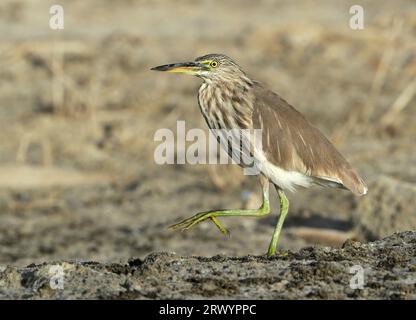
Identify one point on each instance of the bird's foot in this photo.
(272, 253)
(199, 217)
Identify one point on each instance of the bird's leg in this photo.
(202, 216)
(284, 208)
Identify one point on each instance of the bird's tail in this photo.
(352, 181)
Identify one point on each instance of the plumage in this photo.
(297, 146)
(290, 152)
(295, 153)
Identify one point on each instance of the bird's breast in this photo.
(222, 108)
(228, 117)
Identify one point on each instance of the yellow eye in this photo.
(213, 64)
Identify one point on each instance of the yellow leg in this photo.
(212, 215)
(284, 208)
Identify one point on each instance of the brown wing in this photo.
(292, 143)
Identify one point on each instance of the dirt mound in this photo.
(388, 269)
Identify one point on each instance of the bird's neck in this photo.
(227, 104)
(242, 81)
(227, 89)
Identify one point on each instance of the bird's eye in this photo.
(213, 64)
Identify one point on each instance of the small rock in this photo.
(387, 208)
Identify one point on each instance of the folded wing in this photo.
(291, 143)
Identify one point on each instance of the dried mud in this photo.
(388, 266)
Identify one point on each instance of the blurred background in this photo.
(79, 109)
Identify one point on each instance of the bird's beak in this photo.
(193, 68)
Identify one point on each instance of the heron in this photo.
(293, 153)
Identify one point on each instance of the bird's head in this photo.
(211, 67)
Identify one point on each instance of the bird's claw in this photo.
(221, 227)
(192, 221)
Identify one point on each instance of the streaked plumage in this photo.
(295, 153)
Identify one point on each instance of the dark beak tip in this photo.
(167, 67)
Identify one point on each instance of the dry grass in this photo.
(95, 106)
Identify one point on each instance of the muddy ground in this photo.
(388, 269)
(78, 182)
